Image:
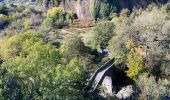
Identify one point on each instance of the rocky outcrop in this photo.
(125, 92)
(82, 8)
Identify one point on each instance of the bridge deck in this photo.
(99, 74)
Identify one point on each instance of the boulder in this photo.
(125, 92)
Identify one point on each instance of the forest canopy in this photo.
(47, 52)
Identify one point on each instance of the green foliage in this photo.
(95, 9)
(16, 16)
(35, 69)
(144, 28)
(103, 10)
(152, 90)
(103, 32)
(134, 63)
(72, 47)
(107, 8)
(27, 24)
(27, 12)
(69, 17)
(4, 20)
(57, 15)
(3, 9)
(47, 23)
(117, 47)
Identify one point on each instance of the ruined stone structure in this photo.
(111, 80)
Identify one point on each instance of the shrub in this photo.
(16, 16)
(69, 17)
(27, 12)
(152, 90)
(107, 8)
(35, 19)
(34, 67)
(57, 15)
(103, 32)
(3, 9)
(3, 21)
(117, 46)
(145, 28)
(14, 27)
(135, 64)
(95, 10)
(47, 23)
(27, 24)
(72, 47)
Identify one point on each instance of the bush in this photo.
(27, 24)
(69, 17)
(47, 23)
(57, 15)
(103, 32)
(107, 8)
(145, 28)
(72, 47)
(34, 67)
(152, 90)
(134, 63)
(29, 11)
(95, 10)
(35, 19)
(3, 21)
(3, 9)
(14, 27)
(16, 16)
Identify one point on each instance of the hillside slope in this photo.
(85, 9)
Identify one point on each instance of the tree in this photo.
(33, 69)
(107, 8)
(95, 10)
(72, 47)
(135, 63)
(57, 14)
(103, 32)
(150, 89)
(69, 17)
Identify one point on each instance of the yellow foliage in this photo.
(27, 24)
(115, 20)
(11, 43)
(11, 47)
(129, 44)
(3, 17)
(73, 68)
(135, 62)
(55, 12)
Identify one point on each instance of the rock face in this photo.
(125, 92)
(82, 8)
(107, 83)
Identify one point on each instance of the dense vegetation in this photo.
(39, 59)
